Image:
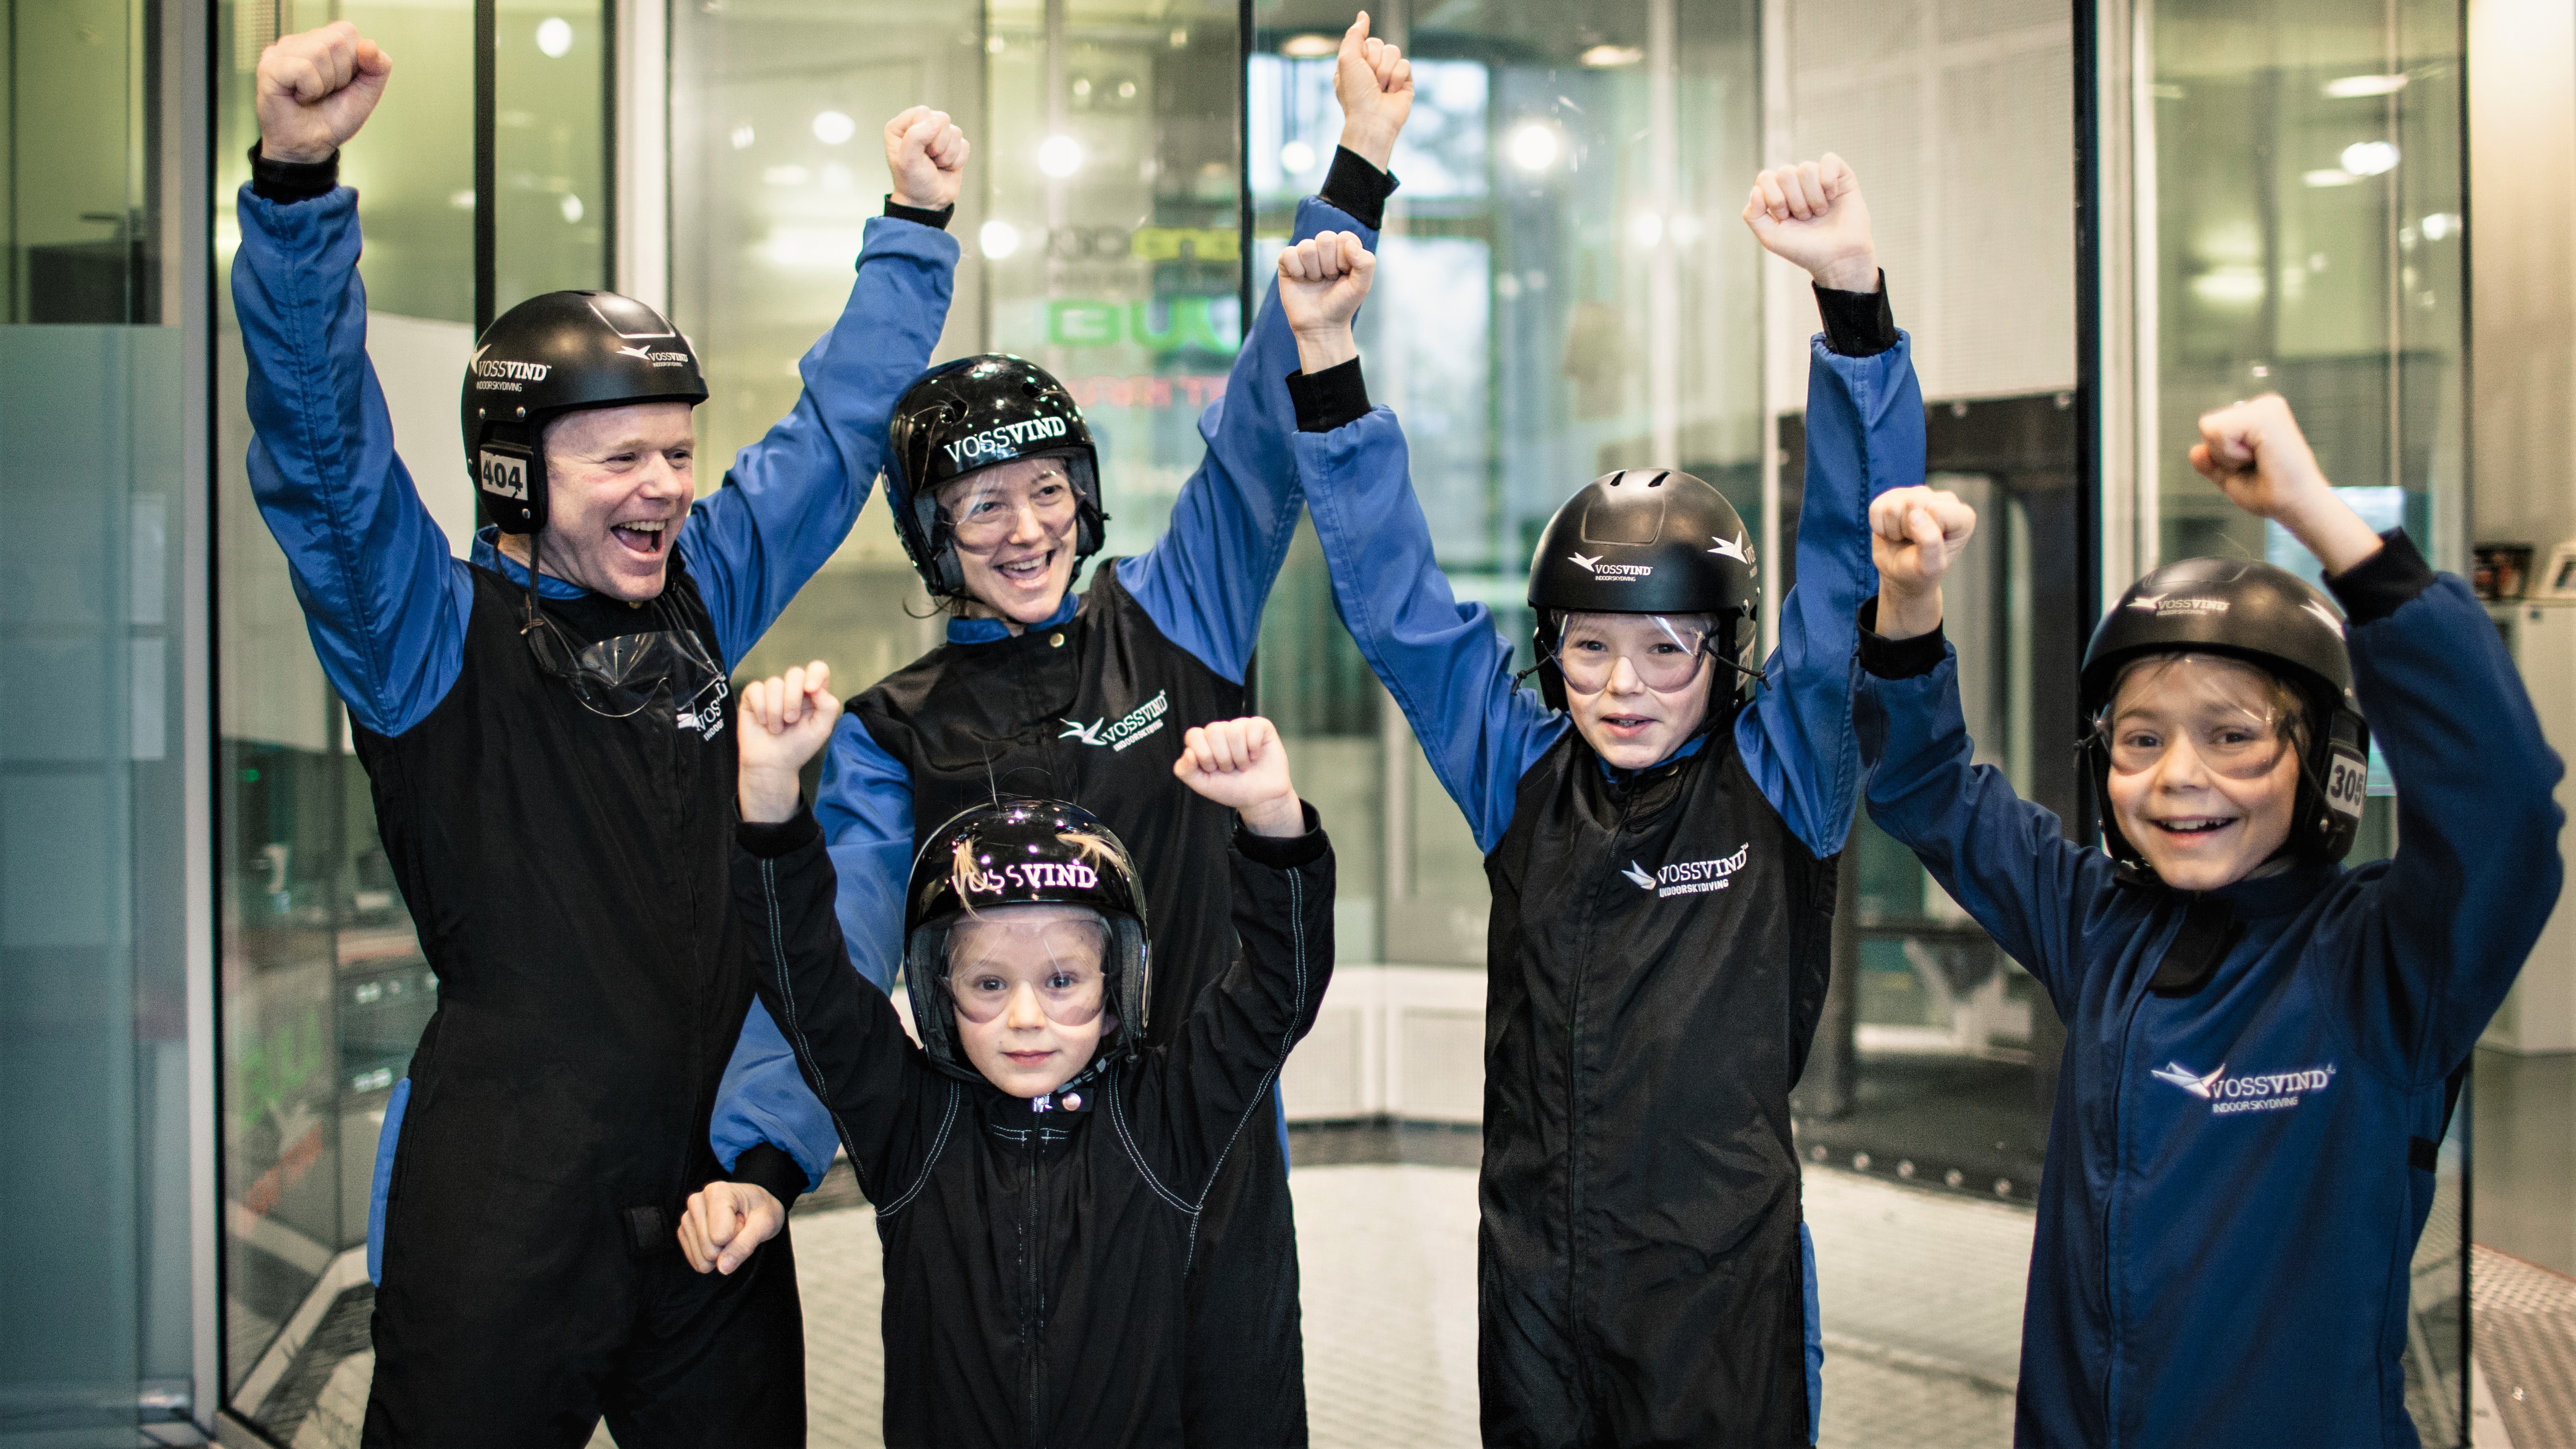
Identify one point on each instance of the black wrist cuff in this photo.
(921, 214)
(1358, 188)
(2383, 583)
(1328, 399)
(762, 1165)
(768, 842)
(288, 182)
(1284, 852)
(1886, 658)
(1857, 324)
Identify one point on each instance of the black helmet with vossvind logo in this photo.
(973, 413)
(552, 354)
(1645, 541)
(1019, 852)
(2264, 616)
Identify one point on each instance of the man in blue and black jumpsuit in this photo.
(560, 826)
(1661, 923)
(1088, 699)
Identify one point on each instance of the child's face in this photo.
(2203, 769)
(1613, 666)
(1032, 1001)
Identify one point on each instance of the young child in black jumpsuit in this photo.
(1038, 1169)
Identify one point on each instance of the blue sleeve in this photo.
(1204, 581)
(865, 809)
(2003, 859)
(790, 498)
(1864, 437)
(383, 599)
(2440, 937)
(1448, 668)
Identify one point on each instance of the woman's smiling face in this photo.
(2204, 768)
(1014, 524)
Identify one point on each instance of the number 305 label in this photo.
(2347, 782)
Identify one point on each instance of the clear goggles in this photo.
(618, 677)
(1058, 953)
(2222, 711)
(1666, 652)
(987, 510)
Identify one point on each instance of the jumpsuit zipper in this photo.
(1574, 1113)
(1033, 1331)
(2110, 1253)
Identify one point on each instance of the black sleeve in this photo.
(1358, 188)
(1332, 398)
(1216, 1078)
(1886, 658)
(765, 1166)
(1857, 324)
(2383, 583)
(922, 214)
(288, 182)
(850, 1044)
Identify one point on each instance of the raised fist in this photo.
(2257, 456)
(1322, 281)
(926, 156)
(785, 721)
(1241, 763)
(1916, 533)
(315, 89)
(1374, 83)
(1812, 214)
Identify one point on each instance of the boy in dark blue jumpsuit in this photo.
(565, 857)
(2258, 1041)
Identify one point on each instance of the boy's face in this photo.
(2204, 773)
(1636, 684)
(1014, 524)
(1032, 999)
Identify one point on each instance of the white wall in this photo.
(2522, 270)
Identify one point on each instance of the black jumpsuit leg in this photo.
(714, 1360)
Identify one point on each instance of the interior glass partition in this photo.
(2301, 221)
(95, 1344)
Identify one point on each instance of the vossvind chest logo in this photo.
(1134, 725)
(1689, 877)
(2247, 1092)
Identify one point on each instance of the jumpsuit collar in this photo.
(992, 631)
(487, 554)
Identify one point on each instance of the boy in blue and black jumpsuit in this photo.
(2261, 1046)
(562, 831)
(1087, 698)
(1662, 911)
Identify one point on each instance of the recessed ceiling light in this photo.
(1606, 57)
(2349, 87)
(1308, 47)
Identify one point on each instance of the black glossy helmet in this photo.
(2267, 617)
(1645, 541)
(1017, 852)
(973, 413)
(554, 354)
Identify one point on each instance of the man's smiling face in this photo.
(619, 481)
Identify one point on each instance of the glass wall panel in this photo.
(554, 217)
(2307, 202)
(94, 1340)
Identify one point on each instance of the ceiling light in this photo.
(1645, 228)
(2354, 86)
(998, 239)
(554, 37)
(2440, 224)
(2331, 176)
(1308, 47)
(1534, 146)
(1607, 57)
(743, 136)
(1059, 156)
(571, 209)
(2370, 158)
(1296, 158)
(834, 127)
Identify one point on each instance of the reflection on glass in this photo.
(554, 213)
(2308, 198)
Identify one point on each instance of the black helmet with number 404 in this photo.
(552, 354)
(971, 414)
(1646, 541)
(2264, 616)
(1018, 851)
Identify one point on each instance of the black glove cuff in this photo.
(2383, 583)
(288, 182)
(920, 214)
(768, 842)
(1328, 399)
(1284, 852)
(1886, 658)
(1857, 324)
(762, 1165)
(1358, 188)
